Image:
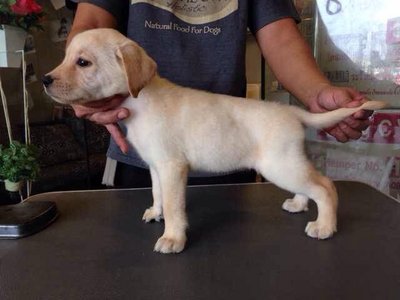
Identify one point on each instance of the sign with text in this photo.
(358, 44)
(373, 159)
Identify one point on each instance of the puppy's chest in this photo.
(147, 128)
(139, 122)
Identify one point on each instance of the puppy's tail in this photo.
(330, 118)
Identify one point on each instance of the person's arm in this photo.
(108, 112)
(89, 16)
(292, 62)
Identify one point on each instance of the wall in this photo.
(47, 54)
(253, 65)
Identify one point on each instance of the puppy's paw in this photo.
(151, 214)
(169, 245)
(320, 231)
(293, 206)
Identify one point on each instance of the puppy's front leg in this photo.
(173, 178)
(154, 212)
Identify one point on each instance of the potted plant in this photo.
(25, 14)
(16, 18)
(18, 162)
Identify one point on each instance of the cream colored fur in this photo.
(177, 129)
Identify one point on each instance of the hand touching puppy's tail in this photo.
(330, 118)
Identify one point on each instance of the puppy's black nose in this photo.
(47, 80)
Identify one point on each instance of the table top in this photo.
(241, 245)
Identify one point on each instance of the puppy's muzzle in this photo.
(47, 80)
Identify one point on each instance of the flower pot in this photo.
(12, 38)
(13, 186)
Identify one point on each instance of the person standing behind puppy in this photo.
(201, 44)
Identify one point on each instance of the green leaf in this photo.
(18, 162)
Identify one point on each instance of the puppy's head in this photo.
(98, 64)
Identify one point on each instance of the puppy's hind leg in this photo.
(173, 178)
(298, 203)
(323, 192)
(154, 212)
(300, 177)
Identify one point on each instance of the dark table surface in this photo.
(241, 245)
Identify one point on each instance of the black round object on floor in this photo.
(23, 219)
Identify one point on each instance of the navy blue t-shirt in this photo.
(196, 43)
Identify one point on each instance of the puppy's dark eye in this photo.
(83, 62)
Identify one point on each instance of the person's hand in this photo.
(331, 98)
(106, 112)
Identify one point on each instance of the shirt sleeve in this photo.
(118, 8)
(264, 12)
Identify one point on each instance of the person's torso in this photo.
(200, 44)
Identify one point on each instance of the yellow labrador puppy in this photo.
(177, 129)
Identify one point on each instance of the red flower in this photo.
(25, 7)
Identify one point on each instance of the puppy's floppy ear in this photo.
(139, 67)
